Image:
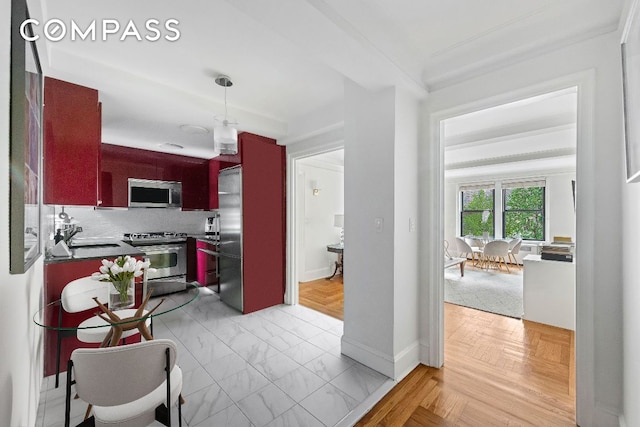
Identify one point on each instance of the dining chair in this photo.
(130, 385)
(78, 296)
(514, 249)
(464, 249)
(494, 253)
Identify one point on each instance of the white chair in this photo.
(495, 252)
(476, 244)
(464, 249)
(514, 249)
(78, 296)
(129, 385)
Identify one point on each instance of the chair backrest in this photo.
(78, 294)
(513, 242)
(476, 242)
(446, 249)
(496, 248)
(463, 247)
(116, 375)
(516, 248)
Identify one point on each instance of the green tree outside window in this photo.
(478, 212)
(523, 213)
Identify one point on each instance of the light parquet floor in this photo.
(498, 371)
(325, 296)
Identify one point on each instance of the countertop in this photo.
(206, 238)
(89, 248)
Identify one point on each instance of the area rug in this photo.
(498, 293)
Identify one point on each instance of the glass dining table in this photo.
(50, 316)
(101, 325)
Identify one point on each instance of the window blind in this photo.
(524, 184)
(474, 187)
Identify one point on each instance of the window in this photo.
(523, 210)
(477, 215)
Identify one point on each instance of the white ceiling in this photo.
(532, 136)
(289, 58)
(332, 158)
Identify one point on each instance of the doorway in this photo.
(508, 174)
(316, 219)
(509, 177)
(435, 202)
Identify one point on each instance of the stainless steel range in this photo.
(167, 252)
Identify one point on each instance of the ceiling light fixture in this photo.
(225, 137)
(171, 145)
(194, 130)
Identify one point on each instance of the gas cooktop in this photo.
(155, 237)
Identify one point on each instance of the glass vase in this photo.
(121, 295)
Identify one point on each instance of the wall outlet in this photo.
(379, 224)
(412, 225)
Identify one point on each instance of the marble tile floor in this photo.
(280, 366)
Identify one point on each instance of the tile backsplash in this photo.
(116, 222)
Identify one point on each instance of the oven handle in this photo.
(213, 254)
(156, 249)
(209, 252)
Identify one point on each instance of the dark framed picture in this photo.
(631, 92)
(25, 145)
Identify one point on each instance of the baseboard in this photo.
(368, 356)
(407, 360)
(320, 273)
(395, 368)
(424, 353)
(600, 415)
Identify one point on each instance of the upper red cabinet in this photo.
(121, 163)
(72, 134)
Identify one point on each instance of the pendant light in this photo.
(225, 136)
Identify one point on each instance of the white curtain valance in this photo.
(524, 184)
(475, 187)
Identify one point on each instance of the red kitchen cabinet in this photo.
(72, 134)
(195, 182)
(121, 163)
(118, 165)
(207, 273)
(264, 226)
(214, 170)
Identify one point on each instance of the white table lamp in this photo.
(338, 221)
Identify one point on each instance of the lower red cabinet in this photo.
(207, 273)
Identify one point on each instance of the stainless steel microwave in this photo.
(146, 193)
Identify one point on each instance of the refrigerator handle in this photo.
(218, 272)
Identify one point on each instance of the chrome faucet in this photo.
(70, 232)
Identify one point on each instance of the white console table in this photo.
(549, 292)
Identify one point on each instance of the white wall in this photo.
(405, 283)
(595, 63)
(381, 289)
(560, 215)
(317, 216)
(21, 366)
(631, 302)
(369, 259)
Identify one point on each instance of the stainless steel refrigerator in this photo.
(230, 249)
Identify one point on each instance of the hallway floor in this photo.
(497, 371)
(278, 367)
